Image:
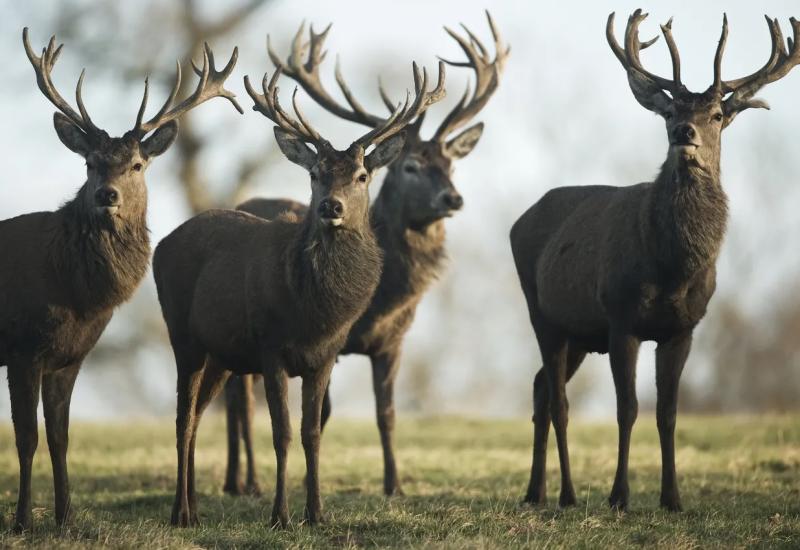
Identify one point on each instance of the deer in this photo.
(65, 271)
(407, 216)
(240, 294)
(604, 268)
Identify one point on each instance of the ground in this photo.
(740, 482)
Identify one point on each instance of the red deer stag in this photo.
(604, 268)
(64, 272)
(408, 220)
(244, 295)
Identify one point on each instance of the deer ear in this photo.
(463, 144)
(70, 135)
(295, 149)
(385, 152)
(161, 139)
(648, 93)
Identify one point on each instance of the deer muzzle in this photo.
(107, 199)
(331, 212)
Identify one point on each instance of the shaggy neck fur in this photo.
(414, 256)
(688, 215)
(101, 261)
(333, 272)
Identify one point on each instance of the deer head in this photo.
(420, 177)
(115, 166)
(695, 121)
(340, 179)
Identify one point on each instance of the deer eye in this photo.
(313, 176)
(137, 167)
(362, 178)
(718, 117)
(411, 168)
(667, 116)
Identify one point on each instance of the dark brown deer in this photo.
(408, 220)
(604, 268)
(244, 295)
(64, 272)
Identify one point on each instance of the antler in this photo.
(780, 62)
(403, 116)
(268, 105)
(629, 57)
(487, 77)
(307, 75)
(211, 85)
(43, 66)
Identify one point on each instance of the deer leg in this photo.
(247, 412)
(190, 374)
(233, 397)
(314, 385)
(670, 359)
(537, 487)
(214, 377)
(326, 408)
(24, 381)
(623, 350)
(384, 371)
(554, 354)
(56, 396)
(275, 386)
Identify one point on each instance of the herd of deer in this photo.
(278, 289)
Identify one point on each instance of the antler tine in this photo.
(780, 62)
(633, 47)
(42, 66)
(310, 129)
(79, 99)
(358, 113)
(673, 53)
(487, 76)
(269, 106)
(723, 38)
(210, 85)
(385, 96)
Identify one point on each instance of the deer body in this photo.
(64, 272)
(294, 273)
(605, 268)
(643, 255)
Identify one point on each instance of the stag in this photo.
(408, 220)
(604, 268)
(64, 272)
(244, 295)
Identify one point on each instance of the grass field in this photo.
(740, 482)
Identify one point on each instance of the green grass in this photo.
(740, 482)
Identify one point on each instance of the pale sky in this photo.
(563, 115)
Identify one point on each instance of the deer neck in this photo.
(333, 273)
(688, 215)
(412, 255)
(101, 262)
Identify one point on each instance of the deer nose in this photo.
(453, 200)
(331, 208)
(685, 133)
(107, 196)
